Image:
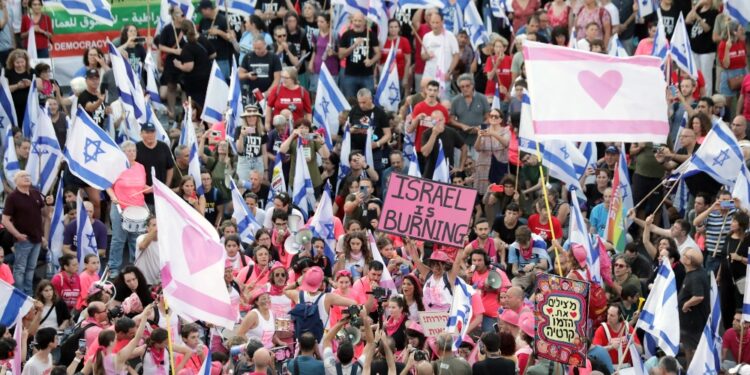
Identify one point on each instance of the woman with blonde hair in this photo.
(18, 72)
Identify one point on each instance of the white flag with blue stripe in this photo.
(10, 160)
(151, 118)
(625, 190)
(329, 102)
(303, 192)
(707, 359)
(189, 139)
(98, 10)
(661, 45)
(526, 139)
(578, 234)
(45, 156)
(129, 85)
(645, 7)
(475, 27)
(31, 112)
(14, 304)
(659, 311)
(152, 88)
(388, 93)
(564, 162)
(411, 155)
(85, 236)
(346, 149)
(442, 171)
(635, 355)
(741, 189)
(245, 8)
(234, 104)
(739, 10)
(247, 226)
(186, 6)
(420, 4)
(57, 224)
(342, 9)
(217, 93)
(376, 13)
(92, 155)
(460, 314)
(206, 366)
(278, 184)
(616, 48)
(719, 156)
(679, 48)
(322, 224)
(8, 117)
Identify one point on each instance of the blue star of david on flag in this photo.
(97, 149)
(721, 158)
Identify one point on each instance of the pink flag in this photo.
(595, 97)
(192, 261)
(17, 335)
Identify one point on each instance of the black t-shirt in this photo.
(299, 47)
(167, 39)
(360, 120)
(214, 197)
(197, 53)
(310, 29)
(695, 285)
(262, 195)
(159, 158)
(670, 19)
(701, 41)
(355, 62)
(253, 144)
(492, 366)
(19, 96)
(451, 141)
(223, 48)
(264, 66)
(271, 6)
(507, 235)
(98, 114)
(404, 17)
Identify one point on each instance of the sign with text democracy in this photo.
(427, 210)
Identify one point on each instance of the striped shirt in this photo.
(715, 233)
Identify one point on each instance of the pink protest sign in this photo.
(427, 210)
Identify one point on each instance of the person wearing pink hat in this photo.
(259, 322)
(524, 350)
(441, 275)
(308, 292)
(508, 322)
(613, 335)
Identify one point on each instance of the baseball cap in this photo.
(312, 279)
(206, 4)
(612, 150)
(148, 127)
(90, 73)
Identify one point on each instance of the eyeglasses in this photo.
(494, 116)
(279, 275)
(281, 36)
(620, 265)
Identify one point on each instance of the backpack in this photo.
(69, 344)
(353, 371)
(445, 281)
(306, 317)
(597, 299)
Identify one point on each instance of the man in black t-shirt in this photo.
(362, 117)
(272, 12)
(259, 69)
(451, 141)
(505, 225)
(213, 26)
(215, 200)
(91, 99)
(153, 153)
(362, 52)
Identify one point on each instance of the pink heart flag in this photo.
(200, 252)
(600, 88)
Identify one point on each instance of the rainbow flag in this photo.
(620, 203)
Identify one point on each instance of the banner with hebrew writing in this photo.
(561, 312)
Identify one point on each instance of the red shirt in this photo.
(600, 338)
(297, 101)
(404, 48)
(67, 287)
(503, 73)
(745, 91)
(423, 107)
(489, 297)
(45, 23)
(542, 230)
(736, 54)
(731, 342)
(701, 83)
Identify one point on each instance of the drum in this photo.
(135, 219)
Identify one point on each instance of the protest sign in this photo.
(561, 315)
(427, 210)
(433, 322)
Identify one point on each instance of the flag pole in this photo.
(742, 333)
(549, 213)
(648, 195)
(641, 301)
(170, 346)
(148, 25)
(667, 196)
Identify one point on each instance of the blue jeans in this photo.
(351, 84)
(120, 238)
(24, 264)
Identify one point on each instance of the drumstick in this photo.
(140, 192)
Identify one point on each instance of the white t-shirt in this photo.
(147, 260)
(329, 362)
(443, 47)
(36, 366)
(689, 243)
(614, 14)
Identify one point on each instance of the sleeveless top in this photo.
(151, 367)
(436, 295)
(264, 330)
(109, 366)
(489, 247)
(309, 298)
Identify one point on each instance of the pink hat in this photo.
(277, 265)
(467, 340)
(311, 279)
(440, 257)
(509, 316)
(527, 323)
(416, 327)
(579, 253)
(257, 292)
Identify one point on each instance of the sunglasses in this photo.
(620, 265)
(494, 116)
(281, 36)
(279, 275)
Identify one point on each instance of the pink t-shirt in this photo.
(87, 280)
(745, 91)
(6, 274)
(129, 186)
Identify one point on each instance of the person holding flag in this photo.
(312, 146)
(403, 53)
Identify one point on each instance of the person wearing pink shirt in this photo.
(67, 284)
(5, 272)
(88, 277)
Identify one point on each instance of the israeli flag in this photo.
(10, 160)
(588, 150)
(129, 85)
(564, 162)
(85, 237)
(152, 88)
(8, 117)
(31, 47)
(573, 42)
(420, 4)
(235, 104)
(31, 113)
(151, 118)
(98, 10)
(375, 13)
(496, 102)
(460, 314)
(411, 155)
(706, 359)
(346, 149)
(57, 226)
(500, 9)
(741, 189)
(739, 10)
(245, 8)
(247, 226)
(526, 137)
(477, 31)
(189, 139)
(661, 45)
(453, 15)
(322, 224)
(578, 233)
(206, 366)
(679, 48)
(616, 48)
(216, 96)
(92, 155)
(303, 192)
(719, 156)
(645, 7)
(659, 312)
(185, 5)
(329, 102)
(342, 9)
(278, 184)
(442, 167)
(388, 93)
(635, 355)
(13, 304)
(45, 156)
(625, 190)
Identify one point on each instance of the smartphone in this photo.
(495, 188)
(483, 126)
(727, 205)
(140, 39)
(82, 346)
(363, 190)
(673, 89)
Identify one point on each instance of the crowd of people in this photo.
(301, 312)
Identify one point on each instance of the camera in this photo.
(380, 294)
(354, 319)
(115, 312)
(420, 355)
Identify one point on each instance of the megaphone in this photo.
(293, 222)
(304, 236)
(494, 280)
(349, 334)
(292, 246)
